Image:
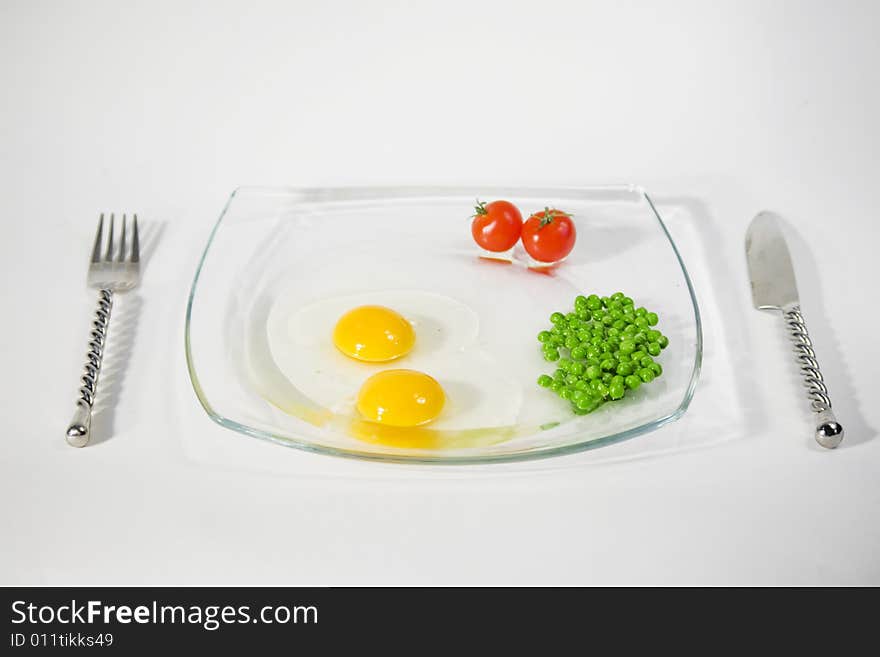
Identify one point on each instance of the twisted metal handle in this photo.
(829, 432)
(78, 432)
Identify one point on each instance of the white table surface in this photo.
(722, 109)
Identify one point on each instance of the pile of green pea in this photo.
(610, 347)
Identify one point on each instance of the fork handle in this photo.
(79, 431)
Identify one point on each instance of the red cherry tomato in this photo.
(497, 226)
(548, 236)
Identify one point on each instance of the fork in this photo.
(108, 275)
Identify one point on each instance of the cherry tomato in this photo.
(497, 226)
(548, 236)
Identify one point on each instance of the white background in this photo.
(165, 107)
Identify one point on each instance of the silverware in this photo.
(774, 287)
(108, 275)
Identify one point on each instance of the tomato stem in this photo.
(550, 215)
(479, 209)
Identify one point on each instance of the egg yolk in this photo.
(400, 398)
(374, 334)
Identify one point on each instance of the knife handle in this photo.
(829, 432)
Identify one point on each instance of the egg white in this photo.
(480, 392)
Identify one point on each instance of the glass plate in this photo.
(273, 250)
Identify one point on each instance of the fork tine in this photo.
(135, 244)
(121, 255)
(96, 250)
(109, 255)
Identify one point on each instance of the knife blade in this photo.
(774, 288)
(770, 269)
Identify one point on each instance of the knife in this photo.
(774, 288)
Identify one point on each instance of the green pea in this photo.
(551, 354)
(586, 404)
(610, 347)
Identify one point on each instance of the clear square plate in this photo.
(305, 245)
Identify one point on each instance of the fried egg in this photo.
(315, 346)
